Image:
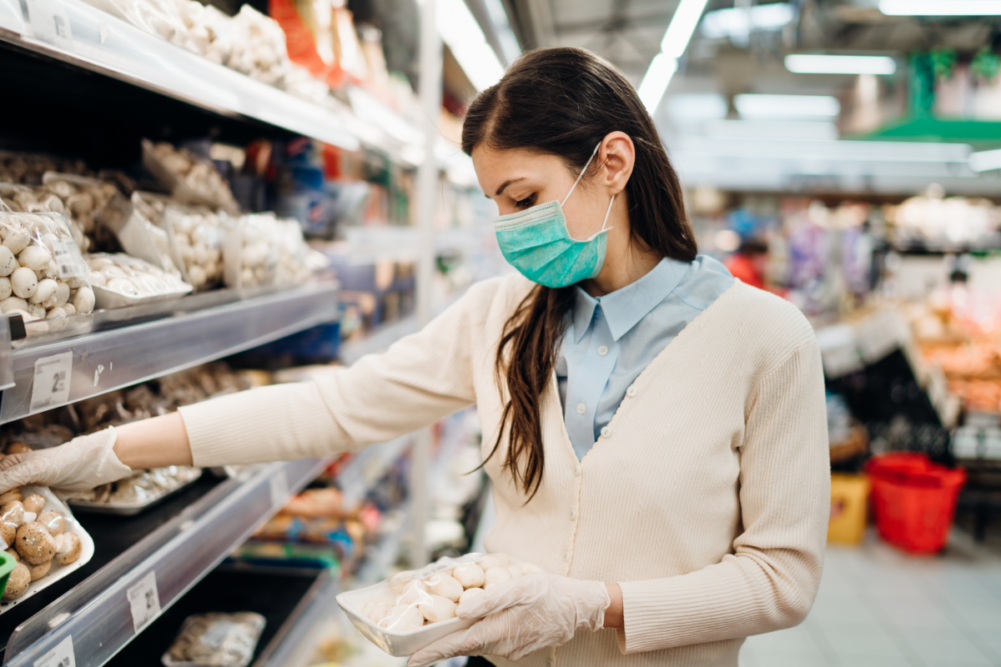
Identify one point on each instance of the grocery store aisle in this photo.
(880, 607)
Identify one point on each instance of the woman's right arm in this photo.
(418, 381)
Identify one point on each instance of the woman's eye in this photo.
(526, 202)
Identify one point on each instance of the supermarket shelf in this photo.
(96, 613)
(378, 340)
(383, 555)
(367, 467)
(107, 45)
(297, 638)
(182, 340)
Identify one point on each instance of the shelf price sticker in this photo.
(279, 487)
(49, 22)
(60, 656)
(50, 386)
(144, 601)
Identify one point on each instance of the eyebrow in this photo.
(505, 184)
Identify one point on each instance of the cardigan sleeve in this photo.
(770, 580)
(418, 381)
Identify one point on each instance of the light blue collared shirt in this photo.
(612, 339)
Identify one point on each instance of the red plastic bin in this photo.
(913, 500)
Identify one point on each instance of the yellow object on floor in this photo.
(848, 508)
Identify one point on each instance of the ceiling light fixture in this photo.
(985, 160)
(786, 106)
(940, 7)
(465, 39)
(824, 64)
(740, 22)
(665, 64)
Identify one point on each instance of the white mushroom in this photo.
(18, 240)
(445, 586)
(495, 576)
(55, 313)
(399, 580)
(5, 288)
(37, 312)
(469, 575)
(83, 300)
(7, 261)
(69, 309)
(491, 561)
(35, 257)
(413, 593)
(123, 286)
(376, 609)
(470, 593)
(515, 570)
(46, 290)
(437, 609)
(97, 278)
(24, 282)
(529, 568)
(403, 618)
(13, 303)
(62, 294)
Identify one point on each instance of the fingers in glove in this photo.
(460, 643)
(17, 473)
(513, 592)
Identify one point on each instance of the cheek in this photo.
(583, 216)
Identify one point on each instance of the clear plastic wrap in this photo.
(216, 640)
(43, 277)
(122, 280)
(197, 237)
(297, 262)
(412, 609)
(137, 492)
(189, 178)
(252, 251)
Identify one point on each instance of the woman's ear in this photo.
(618, 155)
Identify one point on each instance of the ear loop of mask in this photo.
(607, 213)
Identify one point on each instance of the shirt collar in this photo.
(624, 308)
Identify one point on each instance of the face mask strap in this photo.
(593, 153)
(604, 222)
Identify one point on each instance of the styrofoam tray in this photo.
(57, 572)
(398, 644)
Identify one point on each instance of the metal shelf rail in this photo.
(296, 641)
(109, 360)
(96, 617)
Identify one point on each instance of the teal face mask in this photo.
(536, 242)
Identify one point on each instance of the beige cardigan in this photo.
(708, 501)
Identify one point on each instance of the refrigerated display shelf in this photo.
(103, 361)
(190, 536)
(378, 340)
(367, 467)
(381, 556)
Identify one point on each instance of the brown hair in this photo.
(563, 102)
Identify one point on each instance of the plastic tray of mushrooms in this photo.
(47, 541)
(413, 609)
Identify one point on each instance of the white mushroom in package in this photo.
(121, 280)
(42, 274)
(190, 178)
(196, 237)
(411, 600)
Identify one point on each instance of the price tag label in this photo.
(51, 384)
(144, 601)
(60, 656)
(49, 22)
(279, 488)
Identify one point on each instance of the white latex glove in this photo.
(520, 616)
(79, 465)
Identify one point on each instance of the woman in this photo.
(654, 430)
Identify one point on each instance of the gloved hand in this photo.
(520, 616)
(80, 464)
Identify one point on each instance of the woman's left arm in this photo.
(771, 579)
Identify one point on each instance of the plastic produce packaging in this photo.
(80, 198)
(189, 178)
(121, 280)
(252, 252)
(197, 237)
(137, 492)
(413, 609)
(216, 640)
(42, 534)
(43, 277)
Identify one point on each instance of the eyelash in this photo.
(526, 202)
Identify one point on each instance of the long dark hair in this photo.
(563, 102)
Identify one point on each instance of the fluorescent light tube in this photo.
(655, 82)
(787, 106)
(821, 64)
(985, 160)
(739, 22)
(462, 33)
(940, 7)
(679, 32)
(771, 130)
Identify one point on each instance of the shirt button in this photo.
(631, 391)
(602, 351)
(606, 432)
(581, 408)
(573, 514)
(566, 555)
(549, 662)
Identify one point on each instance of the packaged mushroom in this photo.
(43, 277)
(135, 493)
(197, 237)
(189, 178)
(40, 532)
(216, 640)
(413, 609)
(252, 251)
(120, 280)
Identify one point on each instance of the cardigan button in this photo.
(566, 555)
(576, 471)
(549, 662)
(631, 391)
(606, 432)
(573, 514)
